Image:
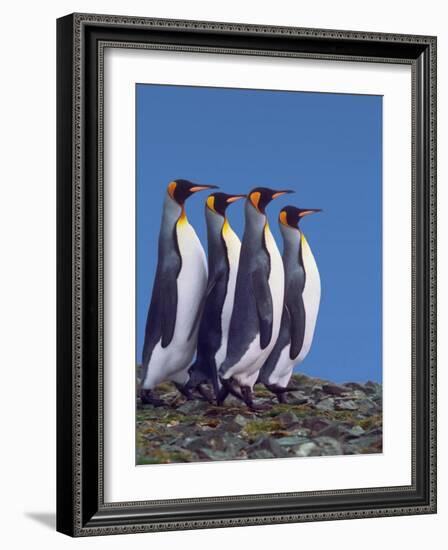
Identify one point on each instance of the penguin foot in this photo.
(184, 390)
(205, 393)
(221, 397)
(232, 387)
(282, 397)
(149, 398)
(278, 390)
(248, 399)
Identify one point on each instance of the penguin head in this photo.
(290, 216)
(260, 197)
(218, 202)
(180, 190)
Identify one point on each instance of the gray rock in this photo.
(375, 432)
(345, 405)
(298, 398)
(335, 389)
(291, 440)
(214, 455)
(241, 420)
(265, 443)
(367, 443)
(305, 449)
(328, 446)
(231, 426)
(195, 443)
(287, 419)
(368, 407)
(355, 386)
(356, 431)
(333, 430)
(303, 432)
(373, 387)
(315, 423)
(192, 407)
(261, 453)
(326, 404)
(233, 401)
(358, 394)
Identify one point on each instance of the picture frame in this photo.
(81, 506)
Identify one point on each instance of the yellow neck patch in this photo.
(182, 218)
(225, 227)
(266, 228)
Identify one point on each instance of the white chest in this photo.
(192, 279)
(311, 297)
(233, 246)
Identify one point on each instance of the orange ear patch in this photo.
(283, 218)
(255, 199)
(211, 203)
(171, 188)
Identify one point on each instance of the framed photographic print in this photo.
(246, 274)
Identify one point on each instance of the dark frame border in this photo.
(81, 39)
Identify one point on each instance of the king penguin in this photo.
(223, 256)
(179, 285)
(258, 305)
(302, 299)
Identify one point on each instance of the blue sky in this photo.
(327, 147)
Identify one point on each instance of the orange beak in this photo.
(280, 193)
(236, 198)
(197, 188)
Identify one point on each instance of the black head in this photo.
(180, 190)
(218, 202)
(260, 197)
(291, 216)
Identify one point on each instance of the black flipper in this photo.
(263, 301)
(161, 319)
(169, 308)
(296, 310)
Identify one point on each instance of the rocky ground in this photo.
(320, 418)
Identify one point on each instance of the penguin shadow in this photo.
(47, 519)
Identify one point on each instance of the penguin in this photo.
(223, 256)
(302, 299)
(179, 285)
(258, 304)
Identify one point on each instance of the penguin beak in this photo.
(280, 193)
(197, 188)
(235, 198)
(309, 211)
